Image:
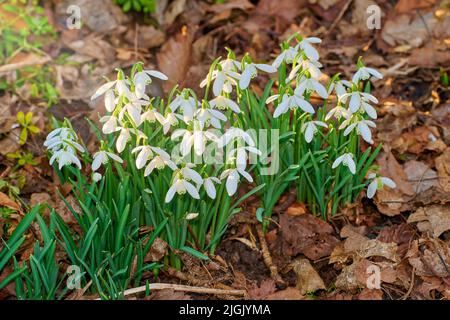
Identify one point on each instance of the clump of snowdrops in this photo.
(184, 157)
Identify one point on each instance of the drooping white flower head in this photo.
(312, 67)
(188, 106)
(251, 70)
(291, 102)
(223, 103)
(339, 87)
(143, 78)
(309, 51)
(235, 134)
(197, 138)
(310, 128)
(146, 153)
(310, 85)
(65, 158)
(225, 77)
(377, 184)
(288, 55)
(182, 183)
(102, 157)
(347, 160)
(240, 155)
(208, 184)
(207, 116)
(356, 100)
(362, 127)
(233, 177)
(365, 73)
(159, 162)
(170, 120)
(63, 145)
(110, 124)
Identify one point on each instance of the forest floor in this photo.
(404, 232)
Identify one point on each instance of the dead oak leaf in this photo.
(308, 235)
(174, 58)
(434, 218)
(443, 168)
(308, 280)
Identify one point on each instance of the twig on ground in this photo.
(179, 287)
(339, 17)
(267, 258)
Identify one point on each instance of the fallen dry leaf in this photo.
(5, 201)
(443, 169)
(414, 30)
(174, 59)
(308, 235)
(437, 216)
(157, 250)
(308, 280)
(266, 288)
(296, 209)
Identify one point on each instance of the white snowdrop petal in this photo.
(372, 188)
(388, 182)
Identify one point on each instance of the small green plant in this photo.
(26, 122)
(24, 34)
(145, 6)
(23, 158)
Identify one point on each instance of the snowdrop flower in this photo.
(110, 124)
(377, 184)
(142, 78)
(288, 55)
(96, 177)
(123, 139)
(338, 112)
(356, 99)
(347, 160)
(180, 186)
(65, 158)
(190, 174)
(251, 70)
(291, 102)
(233, 177)
(362, 128)
(308, 49)
(150, 115)
(145, 153)
(241, 155)
(120, 85)
(170, 120)
(62, 138)
(365, 73)
(206, 116)
(339, 87)
(159, 162)
(110, 100)
(306, 65)
(311, 84)
(223, 103)
(225, 77)
(187, 105)
(133, 108)
(197, 138)
(310, 128)
(208, 184)
(235, 134)
(182, 183)
(101, 157)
